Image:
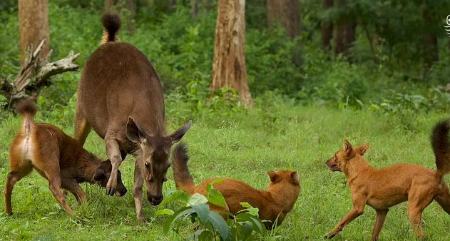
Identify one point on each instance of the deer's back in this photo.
(117, 82)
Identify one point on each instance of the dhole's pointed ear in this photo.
(361, 150)
(347, 147)
(178, 134)
(134, 134)
(273, 176)
(295, 179)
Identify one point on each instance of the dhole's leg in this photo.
(359, 202)
(82, 127)
(49, 168)
(13, 177)
(114, 155)
(418, 199)
(73, 187)
(381, 216)
(443, 198)
(137, 189)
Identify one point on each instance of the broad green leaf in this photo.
(176, 196)
(250, 209)
(182, 213)
(220, 225)
(202, 211)
(216, 198)
(164, 212)
(197, 199)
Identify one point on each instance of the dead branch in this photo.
(34, 75)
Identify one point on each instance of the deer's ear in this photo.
(134, 134)
(178, 134)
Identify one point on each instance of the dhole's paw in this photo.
(330, 235)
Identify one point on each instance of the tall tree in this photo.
(327, 26)
(286, 13)
(229, 68)
(33, 26)
(430, 41)
(345, 31)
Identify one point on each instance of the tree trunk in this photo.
(345, 33)
(33, 27)
(327, 27)
(430, 41)
(194, 8)
(131, 7)
(229, 69)
(286, 13)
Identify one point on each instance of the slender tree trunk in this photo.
(194, 8)
(430, 41)
(229, 68)
(131, 7)
(286, 13)
(327, 27)
(108, 4)
(33, 26)
(345, 32)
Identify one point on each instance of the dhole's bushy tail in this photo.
(441, 148)
(27, 109)
(111, 23)
(183, 178)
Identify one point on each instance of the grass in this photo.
(244, 144)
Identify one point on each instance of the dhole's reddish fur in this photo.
(273, 204)
(56, 156)
(386, 187)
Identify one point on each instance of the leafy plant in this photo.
(210, 224)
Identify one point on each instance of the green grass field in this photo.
(244, 145)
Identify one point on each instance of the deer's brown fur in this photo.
(273, 204)
(56, 156)
(386, 187)
(121, 98)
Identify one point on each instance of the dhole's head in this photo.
(154, 153)
(285, 187)
(102, 174)
(342, 157)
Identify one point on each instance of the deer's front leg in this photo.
(113, 153)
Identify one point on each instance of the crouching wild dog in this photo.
(56, 156)
(273, 204)
(386, 187)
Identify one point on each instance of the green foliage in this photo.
(211, 225)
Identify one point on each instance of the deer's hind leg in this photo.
(82, 127)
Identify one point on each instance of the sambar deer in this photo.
(121, 98)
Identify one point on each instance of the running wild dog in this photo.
(386, 187)
(121, 98)
(56, 156)
(273, 204)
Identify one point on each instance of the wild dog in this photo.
(56, 156)
(121, 98)
(273, 204)
(386, 187)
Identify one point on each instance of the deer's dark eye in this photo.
(147, 164)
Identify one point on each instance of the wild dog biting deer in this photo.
(386, 187)
(56, 156)
(273, 204)
(121, 98)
